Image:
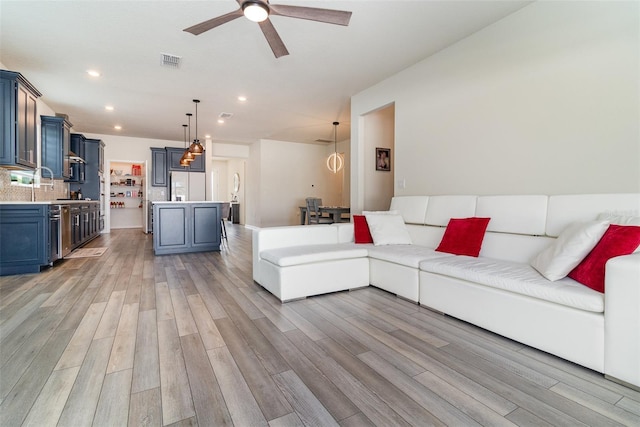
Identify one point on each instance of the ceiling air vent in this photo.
(169, 60)
(225, 115)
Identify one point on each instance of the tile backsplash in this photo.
(17, 193)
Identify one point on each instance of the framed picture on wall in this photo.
(383, 159)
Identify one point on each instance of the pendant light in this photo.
(195, 147)
(335, 160)
(187, 156)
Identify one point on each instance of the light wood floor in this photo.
(129, 338)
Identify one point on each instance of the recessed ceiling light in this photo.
(221, 121)
(109, 107)
(117, 127)
(93, 73)
(207, 136)
(242, 98)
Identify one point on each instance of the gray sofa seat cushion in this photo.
(516, 277)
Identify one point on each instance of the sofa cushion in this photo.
(412, 208)
(518, 278)
(388, 230)
(407, 255)
(295, 255)
(617, 241)
(620, 219)
(514, 214)
(571, 246)
(566, 209)
(442, 208)
(361, 233)
(463, 236)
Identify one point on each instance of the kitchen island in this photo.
(181, 227)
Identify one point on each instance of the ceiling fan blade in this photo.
(330, 16)
(214, 22)
(275, 42)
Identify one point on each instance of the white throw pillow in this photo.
(388, 229)
(569, 249)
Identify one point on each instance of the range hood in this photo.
(74, 158)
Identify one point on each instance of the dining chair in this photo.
(313, 212)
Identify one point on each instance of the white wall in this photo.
(281, 175)
(252, 193)
(225, 160)
(218, 180)
(544, 101)
(379, 131)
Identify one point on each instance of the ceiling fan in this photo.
(259, 11)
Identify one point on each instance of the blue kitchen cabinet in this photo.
(78, 167)
(92, 168)
(56, 140)
(173, 160)
(18, 121)
(25, 238)
(159, 170)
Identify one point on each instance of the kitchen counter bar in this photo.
(180, 227)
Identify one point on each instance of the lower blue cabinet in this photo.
(24, 238)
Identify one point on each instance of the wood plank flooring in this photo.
(133, 339)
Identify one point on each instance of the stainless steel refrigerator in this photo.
(187, 186)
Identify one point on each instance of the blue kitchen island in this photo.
(182, 227)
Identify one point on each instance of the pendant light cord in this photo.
(335, 137)
(189, 116)
(196, 140)
(185, 135)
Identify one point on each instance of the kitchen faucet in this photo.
(33, 181)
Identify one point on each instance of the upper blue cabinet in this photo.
(78, 143)
(18, 121)
(56, 137)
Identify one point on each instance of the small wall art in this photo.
(383, 159)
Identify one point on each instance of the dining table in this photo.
(335, 212)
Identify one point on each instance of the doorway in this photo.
(126, 195)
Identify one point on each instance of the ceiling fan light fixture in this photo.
(255, 11)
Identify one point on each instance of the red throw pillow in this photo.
(618, 240)
(464, 236)
(361, 231)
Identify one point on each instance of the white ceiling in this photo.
(293, 98)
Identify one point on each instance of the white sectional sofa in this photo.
(498, 290)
